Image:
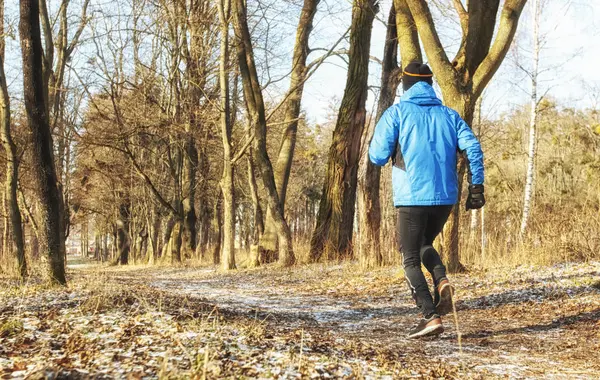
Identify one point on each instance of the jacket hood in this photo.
(421, 93)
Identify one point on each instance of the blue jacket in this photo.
(428, 135)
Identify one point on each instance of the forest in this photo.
(188, 191)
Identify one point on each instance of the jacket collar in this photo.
(421, 93)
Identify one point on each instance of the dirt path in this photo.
(524, 323)
(310, 322)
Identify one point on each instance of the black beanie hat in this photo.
(416, 72)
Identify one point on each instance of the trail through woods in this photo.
(313, 321)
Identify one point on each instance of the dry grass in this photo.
(313, 321)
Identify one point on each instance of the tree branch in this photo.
(408, 37)
(431, 41)
(506, 32)
(82, 24)
(48, 40)
(463, 16)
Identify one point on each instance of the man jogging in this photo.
(423, 137)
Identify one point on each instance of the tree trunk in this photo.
(52, 235)
(105, 247)
(166, 236)
(332, 236)
(285, 157)
(176, 242)
(530, 179)
(189, 186)
(218, 230)
(368, 184)
(227, 186)
(12, 176)
(257, 215)
(123, 238)
(204, 238)
(154, 233)
(256, 113)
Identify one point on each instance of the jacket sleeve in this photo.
(384, 138)
(469, 145)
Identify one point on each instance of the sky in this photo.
(569, 61)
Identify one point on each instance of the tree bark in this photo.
(218, 220)
(285, 157)
(123, 238)
(256, 113)
(10, 185)
(52, 235)
(227, 186)
(530, 176)
(257, 215)
(189, 184)
(368, 184)
(176, 242)
(332, 236)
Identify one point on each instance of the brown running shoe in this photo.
(427, 327)
(444, 300)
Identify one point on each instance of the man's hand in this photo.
(475, 200)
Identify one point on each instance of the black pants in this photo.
(417, 229)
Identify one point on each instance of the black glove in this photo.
(475, 200)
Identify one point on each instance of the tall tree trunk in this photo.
(195, 66)
(10, 185)
(256, 113)
(368, 184)
(285, 157)
(333, 233)
(227, 186)
(530, 179)
(52, 235)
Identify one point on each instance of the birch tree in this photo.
(534, 102)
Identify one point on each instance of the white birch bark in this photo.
(530, 180)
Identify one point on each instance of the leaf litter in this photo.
(311, 322)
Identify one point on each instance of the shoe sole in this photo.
(444, 306)
(428, 331)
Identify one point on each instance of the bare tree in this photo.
(463, 79)
(10, 186)
(256, 112)
(52, 233)
(227, 186)
(332, 236)
(285, 156)
(534, 102)
(368, 183)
